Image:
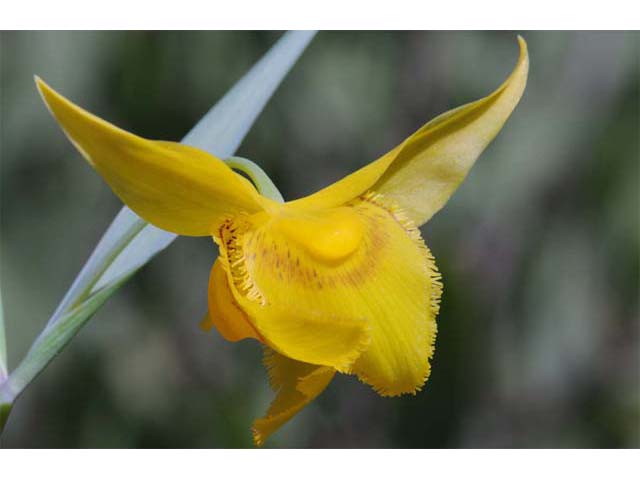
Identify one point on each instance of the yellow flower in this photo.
(339, 281)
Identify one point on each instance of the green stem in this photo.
(260, 179)
(62, 329)
(51, 342)
(55, 336)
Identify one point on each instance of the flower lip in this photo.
(335, 310)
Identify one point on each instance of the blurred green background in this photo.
(538, 340)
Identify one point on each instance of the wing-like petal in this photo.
(422, 172)
(296, 384)
(176, 187)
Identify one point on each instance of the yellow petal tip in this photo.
(523, 44)
(524, 50)
(45, 91)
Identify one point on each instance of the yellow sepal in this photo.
(176, 187)
(422, 172)
(296, 384)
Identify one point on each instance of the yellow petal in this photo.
(173, 186)
(352, 288)
(296, 384)
(266, 270)
(232, 323)
(403, 298)
(422, 172)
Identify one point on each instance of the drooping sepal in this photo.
(296, 384)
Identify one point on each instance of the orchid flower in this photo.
(338, 281)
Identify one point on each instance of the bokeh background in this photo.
(538, 340)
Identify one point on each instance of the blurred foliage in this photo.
(538, 335)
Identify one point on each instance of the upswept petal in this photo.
(176, 187)
(422, 172)
(296, 384)
(367, 307)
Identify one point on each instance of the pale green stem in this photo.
(55, 336)
(260, 179)
(50, 343)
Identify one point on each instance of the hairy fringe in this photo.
(231, 234)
